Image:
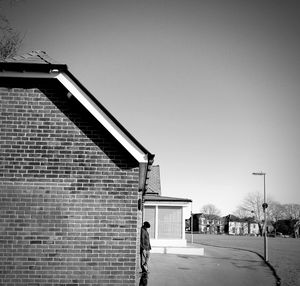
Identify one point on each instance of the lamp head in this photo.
(259, 174)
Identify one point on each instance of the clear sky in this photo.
(210, 87)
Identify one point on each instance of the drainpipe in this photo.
(142, 183)
(143, 175)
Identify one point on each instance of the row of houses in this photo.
(230, 224)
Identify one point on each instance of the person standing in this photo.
(145, 247)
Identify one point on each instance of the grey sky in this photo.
(210, 87)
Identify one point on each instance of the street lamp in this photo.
(264, 205)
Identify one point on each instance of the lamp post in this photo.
(192, 222)
(264, 205)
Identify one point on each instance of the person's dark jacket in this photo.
(145, 240)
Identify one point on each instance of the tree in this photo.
(291, 211)
(10, 39)
(242, 213)
(211, 211)
(252, 207)
(276, 213)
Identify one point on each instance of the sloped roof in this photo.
(153, 182)
(37, 64)
(234, 218)
(34, 57)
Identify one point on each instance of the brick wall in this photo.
(68, 194)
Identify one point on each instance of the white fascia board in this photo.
(84, 99)
(166, 204)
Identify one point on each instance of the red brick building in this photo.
(208, 223)
(70, 179)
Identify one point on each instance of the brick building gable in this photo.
(68, 192)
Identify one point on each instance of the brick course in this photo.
(68, 194)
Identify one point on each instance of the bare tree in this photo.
(291, 211)
(211, 211)
(10, 39)
(242, 213)
(275, 213)
(252, 207)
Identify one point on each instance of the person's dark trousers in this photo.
(145, 255)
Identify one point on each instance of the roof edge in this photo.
(50, 70)
(148, 198)
(33, 67)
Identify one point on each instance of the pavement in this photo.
(190, 249)
(218, 266)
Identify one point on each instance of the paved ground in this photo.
(219, 266)
(284, 253)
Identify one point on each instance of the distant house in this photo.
(240, 226)
(253, 227)
(165, 214)
(70, 179)
(213, 224)
(205, 223)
